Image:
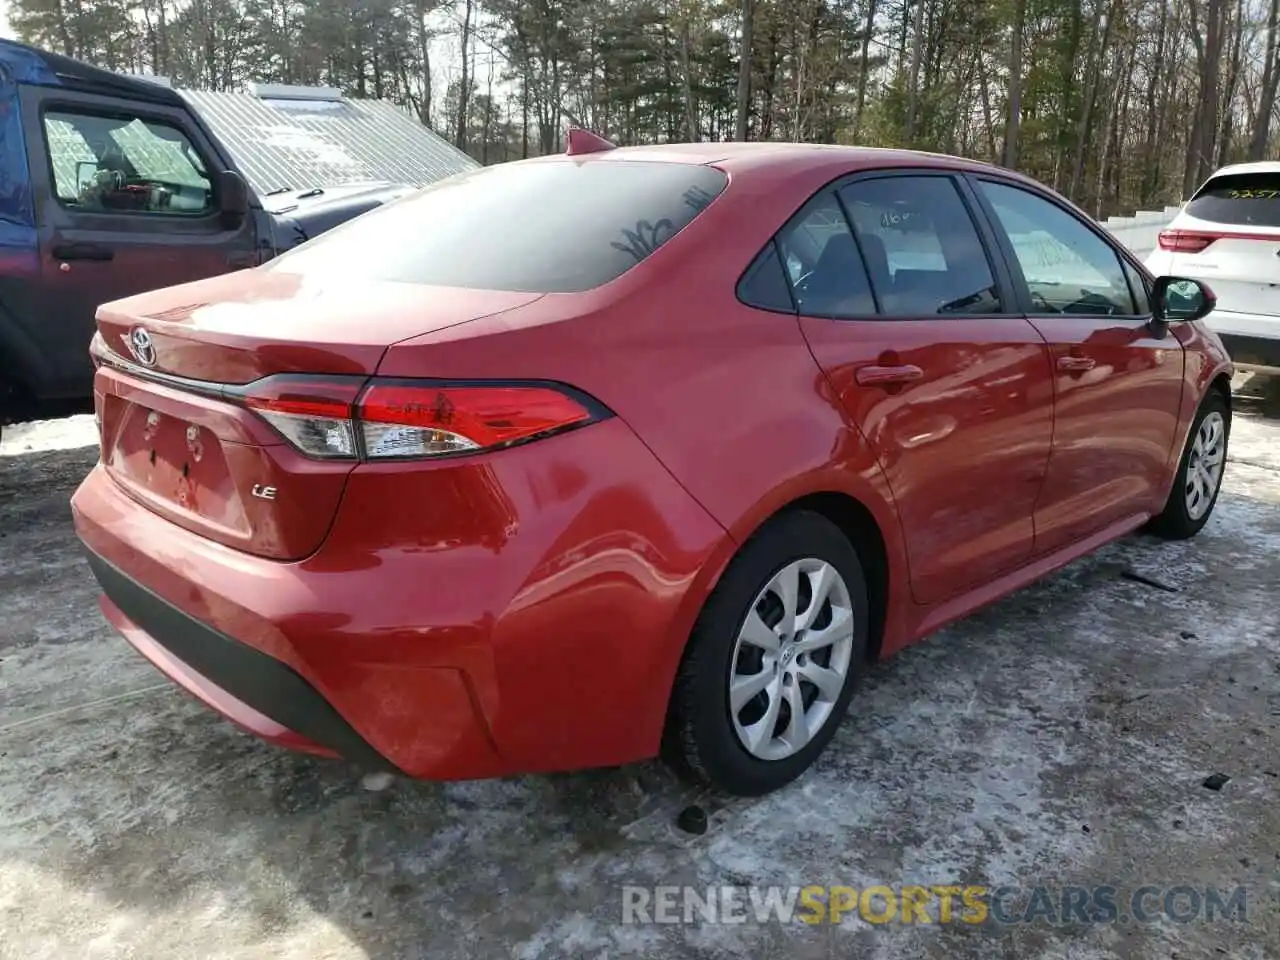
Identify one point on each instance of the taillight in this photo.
(312, 413)
(412, 420)
(1184, 241)
(341, 418)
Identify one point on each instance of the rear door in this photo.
(125, 202)
(1228, 235)
(1118, 387)
(911, 321)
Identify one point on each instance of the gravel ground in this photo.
(1060, 737)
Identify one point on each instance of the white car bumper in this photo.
(1252, 340)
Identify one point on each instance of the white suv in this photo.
(1228, 236)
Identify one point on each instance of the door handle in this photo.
(82, 251)
(1076, 364)
(888, 376)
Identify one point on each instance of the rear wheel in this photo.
(772, 661)
(1199, 478)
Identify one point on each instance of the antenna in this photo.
(581, 140)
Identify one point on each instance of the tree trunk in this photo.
(1208, 59)
(464, 84)
(1150, 177)
(1014, 119)
(524, 116)
(913, 81)
(744, 70)
(1229, 91)
(769, 88)
(1270, 81)
(988, 115)
(1093, 70)
(1070, 51)
(424, 55)
(690, 105)
(865, 69)
(1118, 160)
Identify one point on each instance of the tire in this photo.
(702, 739)
(1183, 515)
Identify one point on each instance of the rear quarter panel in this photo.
(727, 397)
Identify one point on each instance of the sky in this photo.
(4, 20)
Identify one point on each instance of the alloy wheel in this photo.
(1204, 466)
(791, 659)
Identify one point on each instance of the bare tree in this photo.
(1014, 118)
(744, 69)
(1270, 83)
(464, 85)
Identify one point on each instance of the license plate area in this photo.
(174, 461)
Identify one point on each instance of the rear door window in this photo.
(558, 226)
(765, 285)
(921, 247)
(823, 263)
(1242, 199)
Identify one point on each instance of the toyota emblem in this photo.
(141, 347)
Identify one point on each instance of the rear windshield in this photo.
(1242, 198)
(547, 227)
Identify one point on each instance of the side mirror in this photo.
(233, 197)
(1178, 300)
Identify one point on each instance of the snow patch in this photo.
(39, 436)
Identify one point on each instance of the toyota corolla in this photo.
(633, 451)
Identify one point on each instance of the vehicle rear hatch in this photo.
(188, 377)
(1229, 236)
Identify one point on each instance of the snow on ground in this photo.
(38, 436)
(1060, 736)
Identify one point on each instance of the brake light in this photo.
(1184, 241)
(345, 418)
(411, 420)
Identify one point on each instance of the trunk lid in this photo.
(236, 328)
(1234, 220)
(176, 433)
(1243, 269)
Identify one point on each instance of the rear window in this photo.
(1243, 198)
(548, 227)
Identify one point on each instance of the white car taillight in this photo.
(340, 418)
(1185, 241)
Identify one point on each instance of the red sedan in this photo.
(585, 459)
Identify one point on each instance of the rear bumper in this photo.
(1253, 341)
(1228, 323)
(255, 691)
(520, 614)
(1253, 353)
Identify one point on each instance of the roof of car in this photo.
(1260, 166)
(776, 154)
(26, 64)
